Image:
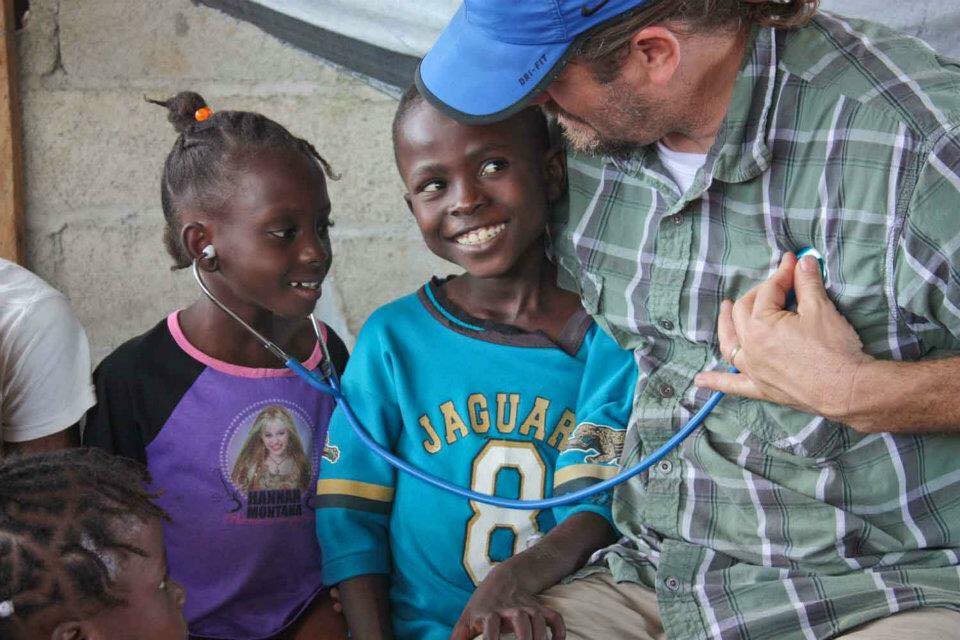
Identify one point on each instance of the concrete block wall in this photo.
(94, 151)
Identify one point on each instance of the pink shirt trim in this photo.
(173, 324)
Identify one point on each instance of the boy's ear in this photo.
(555, 169)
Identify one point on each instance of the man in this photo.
(714, 140)
(45, 385)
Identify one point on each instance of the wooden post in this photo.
(11, 153)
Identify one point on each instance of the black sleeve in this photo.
(112, 423)
(338, 351)
(138, 386)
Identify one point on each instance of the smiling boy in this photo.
(476, 378)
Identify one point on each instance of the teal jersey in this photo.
(484, 406)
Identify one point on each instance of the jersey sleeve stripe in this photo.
(365, 490)
(583, 471)
(329, 501)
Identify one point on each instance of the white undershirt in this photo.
(683, 167)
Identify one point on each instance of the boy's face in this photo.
(154, 601)
(479, 193)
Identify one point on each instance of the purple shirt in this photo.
(234, 457)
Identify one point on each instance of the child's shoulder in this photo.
(402, 310)
(144, 351)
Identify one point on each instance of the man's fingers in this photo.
(772, 294)
(726, 330)
(556, 624)
(809, 284)
(743, 309)
(736, 384)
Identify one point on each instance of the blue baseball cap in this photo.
(496, 55)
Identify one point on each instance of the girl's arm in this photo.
(366, 606)
(355, 489)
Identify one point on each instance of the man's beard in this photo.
(629, 122)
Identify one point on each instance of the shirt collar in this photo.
(740, 151)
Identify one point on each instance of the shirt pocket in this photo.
(603, 297)
(800, 434)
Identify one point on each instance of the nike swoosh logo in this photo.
(586, 10)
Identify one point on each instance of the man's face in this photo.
(613, 118)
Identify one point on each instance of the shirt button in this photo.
(666, 391)
(665, 467)
(666, 325)
(672, 584)
(677, 219)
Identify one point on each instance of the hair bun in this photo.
(182, 109)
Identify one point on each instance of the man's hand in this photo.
(501, 604)
(808, 359)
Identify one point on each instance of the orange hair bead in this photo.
(202, 114)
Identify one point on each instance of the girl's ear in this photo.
(198, 242)
(555, 170)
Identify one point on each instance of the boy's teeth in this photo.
(478, 236)
(306, 285)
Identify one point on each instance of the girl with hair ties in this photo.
(246, 202)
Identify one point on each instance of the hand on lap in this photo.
(499, 606)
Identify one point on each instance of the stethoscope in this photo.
(330, 384)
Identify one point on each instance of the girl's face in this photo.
(479, 193)
(153, 608)
(272, 240)
(275, 435)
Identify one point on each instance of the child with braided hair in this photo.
(81, 551)
(246, 201)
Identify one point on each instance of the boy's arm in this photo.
(355, 490)
(506, 599)
(591, 454)
(366, 606)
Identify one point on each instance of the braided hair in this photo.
(206, 155)
(64, 523)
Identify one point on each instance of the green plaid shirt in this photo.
(770, 523)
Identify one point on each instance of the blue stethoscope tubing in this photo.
(331, 386)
